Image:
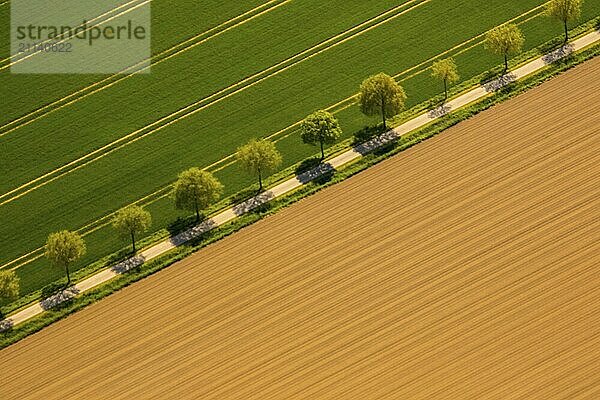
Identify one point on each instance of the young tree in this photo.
(195, 190)
(381, 95)
(131, 221)
(9, 286)
(446, 71)
(63, 249)
(504, 40)
(258, 157)
(564, 11)
(320, 127)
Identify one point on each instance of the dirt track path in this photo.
(472, 274)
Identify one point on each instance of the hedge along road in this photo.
(444, 52)
(282, 134)
(100, 242)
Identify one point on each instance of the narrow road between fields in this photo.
(293, 183)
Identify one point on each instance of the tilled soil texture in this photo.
(463, 268)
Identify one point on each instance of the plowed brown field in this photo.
(465, 268)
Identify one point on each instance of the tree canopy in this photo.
(9, 285)
(195, 190)
(259, 157)
(446, 71)
(381, 95)
(320, 127)
(505, 40)
(132, 221)
(64, 248)
(565, 11)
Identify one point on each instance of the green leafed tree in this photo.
(195, 190)
(505, 40)
(381, 95)
(259, 157)
(446, 71)
(9, 285)
(63, 249)
(132, 221)
(565, 11)
(322, 128)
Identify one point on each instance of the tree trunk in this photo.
(133, 241)
(505, 63)
(197, 210)
(383, 113)
(322, 150)
(445, 90)
(260, 185)
(566, 32)
(68, 275)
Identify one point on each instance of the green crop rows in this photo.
(253, 80)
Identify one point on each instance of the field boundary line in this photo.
(70, 37)
(287, 186)
(191, 110)
(2, 61)
(99, 223)
(75, 95)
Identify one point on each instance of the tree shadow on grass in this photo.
(52, 289)
(243, 195)
(367, 133)
(307, 165)
(180, 225)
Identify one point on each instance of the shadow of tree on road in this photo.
(500, 82)
(558, 54)
(59, 298)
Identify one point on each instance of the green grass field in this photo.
(67, 166)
